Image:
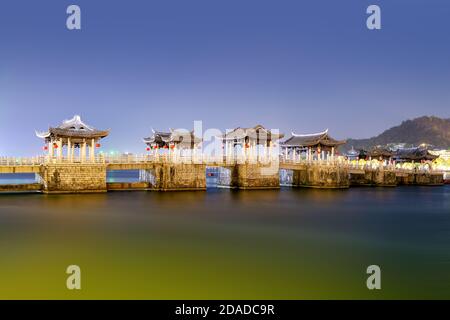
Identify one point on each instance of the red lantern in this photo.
(45, 148)
(55, 146)
(98, 145)
(148, 149)
(172, 147)
(247, 146)
(166, 147)
(156, 147)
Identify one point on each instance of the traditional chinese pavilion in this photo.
(248, 139)
(413, 154)
(72, 134)
(321, 145)
(174, 139)
(380, 153)
(352, 154)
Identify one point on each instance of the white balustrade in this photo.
(215, 160)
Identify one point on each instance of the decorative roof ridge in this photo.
(75, 122)
(42, 134)
(309, 134)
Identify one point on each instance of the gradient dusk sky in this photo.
(293, 65)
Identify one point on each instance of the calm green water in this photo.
(286, 244)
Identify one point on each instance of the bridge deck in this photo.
(19, 168)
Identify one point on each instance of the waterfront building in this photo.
(363, 154)
(442, 154)
(253, 143)
(72, 135)
(380, 153)
(413, 155)
(352, 154)
(320, 146)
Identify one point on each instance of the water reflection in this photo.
(286, 243)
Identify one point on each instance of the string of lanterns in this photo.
(156, 147)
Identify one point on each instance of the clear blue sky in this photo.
(293, 65)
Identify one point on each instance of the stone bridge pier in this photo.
(374, 177)
(174, 177)
(249, 176)
(320, 176)
(73, 178)
(421, 179)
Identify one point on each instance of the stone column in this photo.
(69, 150)
(59, 151)
(83, 151)
(265, 151)
(270, 150)
(92, 151)
(50, 150)
(224, 148)
(252, 151)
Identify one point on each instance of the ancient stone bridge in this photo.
(166, 173)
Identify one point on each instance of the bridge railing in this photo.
(220, 160)
(200, 159)
(21, 161)
(314, 162)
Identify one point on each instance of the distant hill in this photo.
(430, 130)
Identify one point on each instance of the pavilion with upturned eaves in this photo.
(175, 140)
(72, 134)
(248, 140)
(320, 146)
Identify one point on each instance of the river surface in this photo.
(291, 243)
